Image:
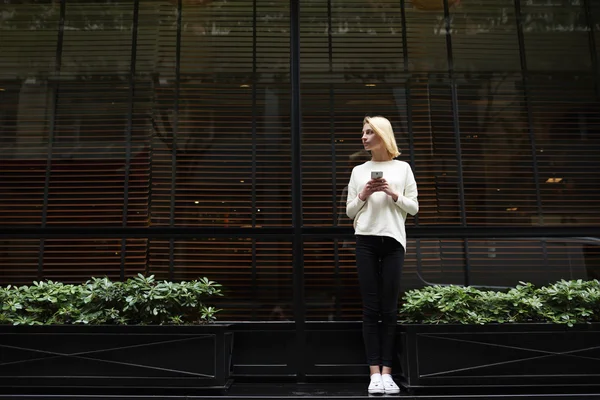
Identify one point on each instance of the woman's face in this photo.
(371, 141)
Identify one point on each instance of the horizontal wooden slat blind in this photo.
(249, 293)
(23, 169)
(435, 262)
(89, 155)
(566, 115)
(76, 260)
(20, 260)
(28, 46)
(496, 147)
(436, 164)
(331, 293)
(506, 262)
(231, 118)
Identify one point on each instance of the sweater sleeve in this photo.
(408, 200)
(353, 202)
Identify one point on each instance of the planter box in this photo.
(115, 357)
(506, 355)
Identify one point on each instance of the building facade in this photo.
(215, 138)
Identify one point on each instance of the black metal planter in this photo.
(119, 358)
(500, 356)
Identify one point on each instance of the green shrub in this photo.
(564, 302)
(138, 301)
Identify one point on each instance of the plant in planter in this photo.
(525, 336)
(138, 334)
(138, 301)
(564, 302)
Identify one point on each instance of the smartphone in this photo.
(376, 174)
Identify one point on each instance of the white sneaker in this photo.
(389, 386)
(376, 385)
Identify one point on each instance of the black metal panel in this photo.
(509, 355)
(333, 351)
(114, 357)
(264, 350)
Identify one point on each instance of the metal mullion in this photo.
(592, 42)
(331, 115)
(411, 145)
(254, 289)
(51, 130)
(174, 139)
(409, 121)
(334, 203)
(254, 103)
(296, 141)
(457, 139)
(404, 35)
(131, 94)
(530, 124)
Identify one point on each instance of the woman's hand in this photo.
(371, 187)
(377, 185)
(385, 188)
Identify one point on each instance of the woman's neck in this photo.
(380, 157)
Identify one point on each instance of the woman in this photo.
(379, 207)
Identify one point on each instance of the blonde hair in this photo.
(383, 128)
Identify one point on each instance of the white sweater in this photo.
(379, 215)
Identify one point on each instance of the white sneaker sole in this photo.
(376, 391)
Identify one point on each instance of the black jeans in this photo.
(379, 261)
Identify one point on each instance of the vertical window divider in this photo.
(592, 42)
(530, 128)
(174, 147)
(51, 131)
(409, 119)
(334, 202)
(130, 99)
(457, 139)
(298, 241)
(254, 148)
